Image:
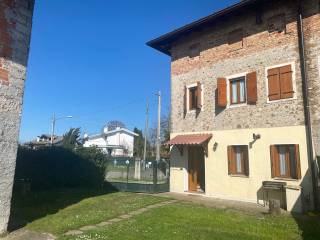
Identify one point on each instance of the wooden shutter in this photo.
(297, 153)
(246, 160)
(274, 84)
(231, 161)
(199, 95)
(185, 101)
(286, 86)
(273, 158)
(252, 88)
(222, 92)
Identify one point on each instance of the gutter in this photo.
(306, 104)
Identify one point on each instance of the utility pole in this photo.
(158, 129)
(53, 124)
(146, 135)
(158, 142)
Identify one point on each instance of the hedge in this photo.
(58, 167)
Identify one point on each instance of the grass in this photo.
(186, 221)
(76, 208)
(61, 210)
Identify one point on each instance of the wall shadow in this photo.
(34, 205)
(306, 219)
(50, 179)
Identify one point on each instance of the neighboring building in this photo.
(117, 142)
(44, 140)
(15, 29)
(240, 103)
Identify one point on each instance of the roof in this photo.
(121, 130)
(192, 139)
(164, 42)
(112, 132)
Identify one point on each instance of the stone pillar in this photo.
(137, 169)
(15, 30)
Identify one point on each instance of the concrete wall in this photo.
(219, 184)
(15, 28)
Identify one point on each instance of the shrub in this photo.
(58, 167)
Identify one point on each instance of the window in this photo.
(238, 90)
(285, 161)
(241, 90)
(193, 98)
(280, 83)
(238, 162)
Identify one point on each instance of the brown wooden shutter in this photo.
(273, 158)
(246, 160)
(297, 153)
(252, 88)
(199, 95)
(274, 84)
(286, 86)
(222, 92)
(185, 101)
(231, 162)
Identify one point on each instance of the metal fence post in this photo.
(127, 162)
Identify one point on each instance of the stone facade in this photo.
(15, 30)
(204, 56)
(247, 38)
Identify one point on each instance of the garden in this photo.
(63, 192)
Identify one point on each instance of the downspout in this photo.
(306, 104)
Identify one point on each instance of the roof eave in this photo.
(168, 38)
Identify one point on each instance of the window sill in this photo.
(236, 105)
(286, 179)
(194, 110)
(238, 175)
(281, 100)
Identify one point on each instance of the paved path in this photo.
(117, 219)
(216, 202)
(28, 235)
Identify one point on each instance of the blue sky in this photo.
(88, 59)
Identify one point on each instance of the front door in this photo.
(196, 169)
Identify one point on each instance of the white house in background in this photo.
(117, 142)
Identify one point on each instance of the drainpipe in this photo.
(306, 104)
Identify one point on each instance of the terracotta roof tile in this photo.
(191, 139)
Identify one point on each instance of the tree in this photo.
(138, 143)
(72, 138)
(112, 125)
(165, 136)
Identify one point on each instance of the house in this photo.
(116, 142)
(245, 108)
(44, 140)
(15, 32)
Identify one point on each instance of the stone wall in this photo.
(312, 42)
(15, 30)
(205, 56)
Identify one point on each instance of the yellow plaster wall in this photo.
(220, 184)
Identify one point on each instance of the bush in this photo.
(58, 167)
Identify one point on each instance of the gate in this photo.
(132, 175)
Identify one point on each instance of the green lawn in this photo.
(189, 221)
(176, 221)
(58, 211)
